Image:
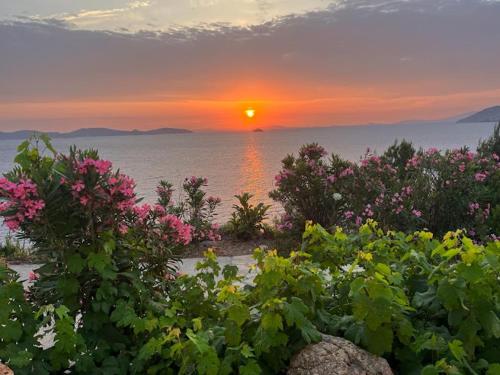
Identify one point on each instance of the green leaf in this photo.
(457, 349)
(11, 331)
(493, 369)
(272, 322)
(430, 370)
(250, 368)
(75, 263)
(232, 333)
(295, 311)
(238, 313)
(379, 341)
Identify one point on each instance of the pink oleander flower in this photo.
(4, 206)
(480, 176)
(416, 213)
(123, 228)
(143, 211)
(347, 172)
(432, 151)
(12, 224)
(407, 190)
(368, 211)
(348, 214)
(413, 162)
(473, 207)
(84, 200)
(461, 167)
(359, 220)
(78, 186)
(331, 179)
(33, 276)
(182, 233)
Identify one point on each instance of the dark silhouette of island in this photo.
(258, 130)
(92, 132)
(491, 114)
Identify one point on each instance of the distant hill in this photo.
(92, 132)
(491, 114)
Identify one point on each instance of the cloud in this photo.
(387, 50)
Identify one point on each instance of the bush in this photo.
(402, 189)
(429, 306)
(194, 207)
(247, 220)
(105, 256)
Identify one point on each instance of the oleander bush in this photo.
(402, 189)
(194, 207)
(247, 220)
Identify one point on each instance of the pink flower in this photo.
(102, 166)
(84, 200)
(416, 213)
(480, 176)
(348, 214)
(461, 167)
(12, 224)
(32, 276)
(122, 228)
(347, 172)
(182, 233)
(78, 186)
(4, 206)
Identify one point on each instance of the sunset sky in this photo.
(199, 64)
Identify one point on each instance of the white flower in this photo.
(337, 196)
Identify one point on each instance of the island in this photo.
(92, 132)
(490, 114)
(258, 130)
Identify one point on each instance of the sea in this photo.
(236, 162)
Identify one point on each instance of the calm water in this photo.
(238, 162)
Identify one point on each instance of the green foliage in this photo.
(427, 305)
(247, 220)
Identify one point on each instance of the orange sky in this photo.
(229, 114)
(390, 62)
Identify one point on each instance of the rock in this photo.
(4, 370)
(337, 356)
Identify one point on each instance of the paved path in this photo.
(243, 263)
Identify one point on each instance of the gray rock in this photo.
(337, 356)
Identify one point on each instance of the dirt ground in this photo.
(227, 247)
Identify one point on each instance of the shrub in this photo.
(402, 189)
(105, 256)
(429, 306)
(247, 220)
(194, 207)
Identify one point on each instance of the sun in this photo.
(250, 112)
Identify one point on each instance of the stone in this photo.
(4, 370)
(337, 356)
